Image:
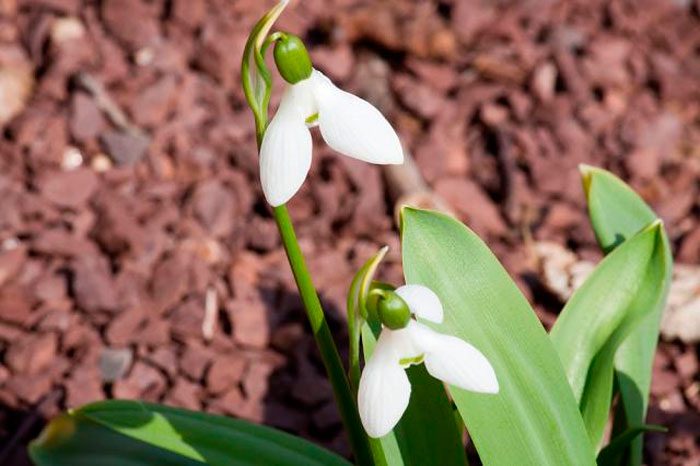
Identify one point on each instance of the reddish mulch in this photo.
(106, 270)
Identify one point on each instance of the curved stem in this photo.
(324, 339)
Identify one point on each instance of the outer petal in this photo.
(422, 301)
(353, 126)
(285, 153)
(454, 361)
(384, 388)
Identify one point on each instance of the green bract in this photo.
(292, 58)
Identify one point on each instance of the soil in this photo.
(139, 259)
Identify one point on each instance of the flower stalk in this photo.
(257, 84)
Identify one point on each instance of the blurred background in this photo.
(138, 257)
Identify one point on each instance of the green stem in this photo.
(258, 99)
(324, 339)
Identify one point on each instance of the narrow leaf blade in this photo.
(135, 433)
(534, 419)
(617, 213)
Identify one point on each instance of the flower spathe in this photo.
(384, 389)
(348, 124)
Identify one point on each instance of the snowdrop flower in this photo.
(350, 125)
(384, 388)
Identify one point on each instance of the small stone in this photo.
(82, 387)
(16, 83)
(663, 383)
(170, 282)
(125, 148)
(184, 394)
(66, 29)
(233, 403)
(215, 207)
(72, 158)
(194, 361)
(189, 13)
(72, 188)
(11, 262)
(225, 372)
(143, 382)
(152, 106)
(256, 380)
(93, 284)
(30, 388)
(249, 321)
(114, 363)
(165, 359)
(544, 80)
(123, 329)
(101, 163)
(187, 319)
(131, 21)
(86, 120)
(687, 365)
(493, 114)
(481, 213)
(32, 354)
(336, 62)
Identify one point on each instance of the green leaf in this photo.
(599, 316)
(534, 419)
(617, 213)
(133, 433)
(612, 454)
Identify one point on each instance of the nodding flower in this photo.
(348, 124)
(384, 389)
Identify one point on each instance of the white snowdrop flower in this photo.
(348, 124)
(384, 389)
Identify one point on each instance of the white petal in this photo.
(285, 153)
(422, 301)
(454, 361)
(353, 126)
(384, 389)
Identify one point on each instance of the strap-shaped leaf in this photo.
(601, 314)
(133, 433)
(534, 419)
(617, 213)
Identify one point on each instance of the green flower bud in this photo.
(393, 311)
(292, 58)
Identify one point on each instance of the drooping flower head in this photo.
(384, 389)
(348, 124)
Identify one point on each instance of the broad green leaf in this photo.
(613, 453)
(133, 433)
(427, 433)
(601, 313)
(617, 213)
(534, 419)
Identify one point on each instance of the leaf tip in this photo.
(587, 172)
(56, 432)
